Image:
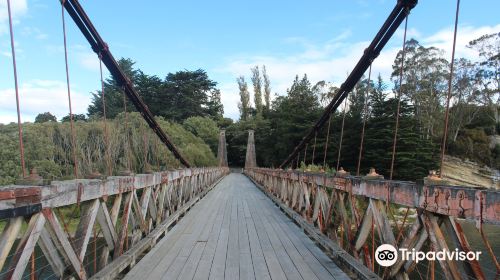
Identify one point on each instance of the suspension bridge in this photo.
(253, 223)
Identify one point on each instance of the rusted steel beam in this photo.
(456, 201)
(392, 22)
(75, 10)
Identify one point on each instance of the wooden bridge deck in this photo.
(235, 232)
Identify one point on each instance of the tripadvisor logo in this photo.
(387, 255)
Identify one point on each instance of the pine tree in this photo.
(267, 89)
(244, 104)
(257, 89)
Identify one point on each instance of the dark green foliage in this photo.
(45, 117)
(186, 94)
(114, 95)
(206, 129)
(76, 118)
(179, 96)
(472, 144)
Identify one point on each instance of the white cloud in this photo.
(443, 39)
(18, 8)
(89, 60)
(333, 60)
(38, 96)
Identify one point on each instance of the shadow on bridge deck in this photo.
(235, 232)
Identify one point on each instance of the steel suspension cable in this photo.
(16, 88)
(145, 141)
(305, 154)
(326, 142)
(341, 135)
(446, 114)
(72, 129)
(127, 149)
(314, 148)
(394, 142)
(365, 117)
(106, 135)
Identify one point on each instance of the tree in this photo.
(187, 94)
(415, 155)
(267, 89)
(257, 89)
(206, 129)
(113, 93)
(179, 96)
(425, 83)
(45, 117)
(292, 116)
(488, 71)
(76, 118)
(214, 105)
(244, 104)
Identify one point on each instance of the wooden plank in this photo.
(322, 266)
(286, 263)
(365, 229)
(232, 269)
(63, 193)
(85, 227)
(246, 266)
(139, 214)
(189, 268)
(161, 202)
(259, 262)
(152, 259)
(297, 259)
(436, 236)
(153, 209)
(315, 265)
(26, 247)
(205, 264)
(219, 262)
(107, 228)
(61, 241)
(50, 252)
(145, 198)
(8, 237)
(103, 260)
(203, 222)
(273, 264)
(122, 233)
(472, 269)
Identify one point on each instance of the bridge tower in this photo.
(222, 150)
(250, 160)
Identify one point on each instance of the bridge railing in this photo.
(93, 227)
(357, 214)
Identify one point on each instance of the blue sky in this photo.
(323, 39)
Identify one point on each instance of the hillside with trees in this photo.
(474, 114)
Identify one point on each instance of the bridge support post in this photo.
(250, 161)
(222, 150)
